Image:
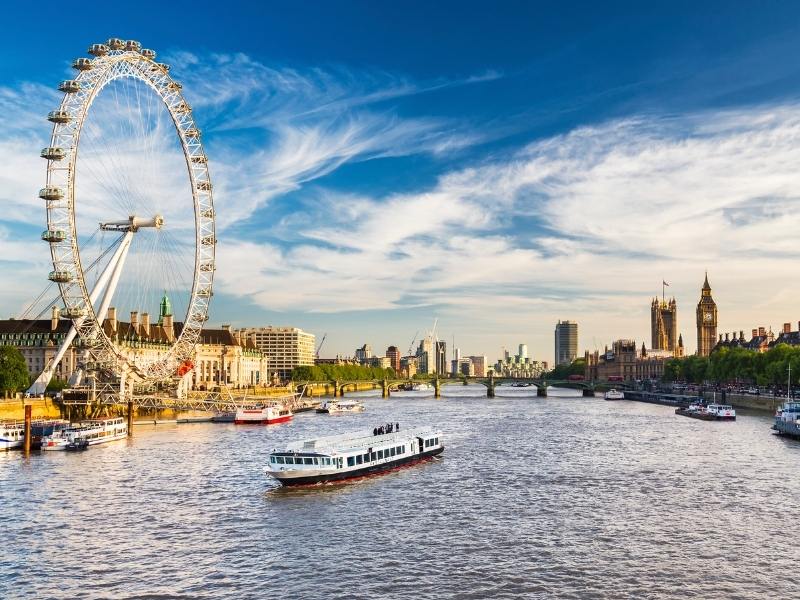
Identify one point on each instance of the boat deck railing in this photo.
(356, 440)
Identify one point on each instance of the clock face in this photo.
(708, 317)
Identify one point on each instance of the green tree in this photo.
(13, 372)
(329, 372)
(576, 367)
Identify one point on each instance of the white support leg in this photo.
(114, 267)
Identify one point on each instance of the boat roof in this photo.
(356, 440)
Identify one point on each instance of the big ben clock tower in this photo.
(706, 321)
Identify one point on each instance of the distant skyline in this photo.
(498, 166)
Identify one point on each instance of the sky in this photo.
(496, 166)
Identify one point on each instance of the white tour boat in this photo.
(353, 455)
(335, 407)
(91, 431)
(12, 435)
(422, 387)
(614, 394)
(263, 414)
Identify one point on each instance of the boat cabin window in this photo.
(351, 461)
(374, 456)
(359, 459)
(435, 441)
(380, 454)
(366, 458)
(278, 459)
(308, 461)
(316, 461)
(391, 451)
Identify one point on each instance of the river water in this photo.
(559, 497)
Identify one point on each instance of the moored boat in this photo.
(12, 435)
(93, 431)
(422, 387)
(350, 456)
(710, 412)
(262, 414)
(334, 407)
(614, 394)
(787, 419)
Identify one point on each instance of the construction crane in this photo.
(411, 347)
(324, 335)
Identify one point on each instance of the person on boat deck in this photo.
(375, 431)
(397, 426)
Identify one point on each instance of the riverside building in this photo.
(219, 359)
(623, 362)
(286, 347)
(566, 339)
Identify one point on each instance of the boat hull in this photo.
(368, 471)
(264, 421)
(787, 428)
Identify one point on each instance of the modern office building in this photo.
(285, 347)
(566, 342)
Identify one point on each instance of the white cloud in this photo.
(613, 208)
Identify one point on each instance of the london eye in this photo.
(130, 218)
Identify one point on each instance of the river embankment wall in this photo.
(760, 403)
(13, 409)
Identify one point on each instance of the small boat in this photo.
(421, 387)
(721, 412)
(77, 444)
(94, 431)
(268, 414)
(787, 419)
(614, 394)
(335, 407)
(351, 456)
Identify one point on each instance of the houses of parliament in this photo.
(664, 324)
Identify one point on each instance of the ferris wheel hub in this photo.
(133, 223)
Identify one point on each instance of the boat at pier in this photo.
(614, 394)
(93, 431)
(263, 414)
(336, 407)
(422, 387)
(12, 435)
(710, 412)
(787, 419)
(354, 455)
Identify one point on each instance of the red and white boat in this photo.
(263, 414)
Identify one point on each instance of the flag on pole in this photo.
(665, 283)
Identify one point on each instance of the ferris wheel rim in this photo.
(114, 61)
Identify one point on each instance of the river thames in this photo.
(563, 497)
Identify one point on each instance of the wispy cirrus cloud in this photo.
(580, 222)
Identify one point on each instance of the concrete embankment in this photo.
(762, 403)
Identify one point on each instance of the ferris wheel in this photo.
(130, 213)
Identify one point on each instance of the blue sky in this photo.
(498, 166)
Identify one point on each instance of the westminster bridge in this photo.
(387, 386)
